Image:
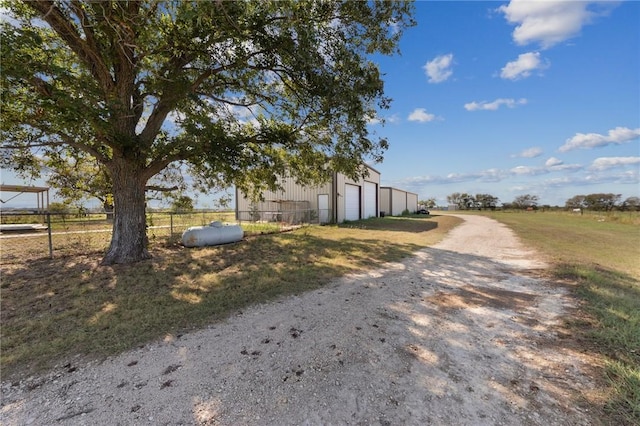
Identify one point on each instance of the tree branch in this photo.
(65, 140)
(161, 188)
(62, 25)
(159, 164)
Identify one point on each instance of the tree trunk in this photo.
(129, 237)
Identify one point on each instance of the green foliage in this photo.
(183, 203)
(57, 208)
(525, 201)
(486, 201)
(631, 203)
(231, 92)
(429, 203)
(597, 202)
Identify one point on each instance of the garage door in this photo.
(351, 202)
(370, 200)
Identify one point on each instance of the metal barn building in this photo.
(336, 201)
(394, 201)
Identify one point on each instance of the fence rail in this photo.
(29, 236)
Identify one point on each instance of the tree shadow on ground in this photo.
(53, 309)
(390, 223)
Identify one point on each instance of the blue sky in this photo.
(511, 98)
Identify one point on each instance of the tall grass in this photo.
(602, 255)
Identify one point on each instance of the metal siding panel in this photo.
(294, 192)
(399, 201)
(339, 208)
(412, 202)
(385, 200)
(374, 176)
(242, 202)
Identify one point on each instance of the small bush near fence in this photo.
(69, 234)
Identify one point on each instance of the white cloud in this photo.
(556, 165)
(373, 120)
(491, 175)
(492, 106)
(549, 167)
(565, 168)
(523, 66)
(550, 22)
(529, 153)
(382, 120)
(604, 163)
(553, 161)
(528, 171)
(421, 115)
(439, 69)
(616, 136)
(393, 119)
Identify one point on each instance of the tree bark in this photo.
(129, 237)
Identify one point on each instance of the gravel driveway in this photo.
(463, 333)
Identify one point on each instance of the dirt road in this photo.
(463, 333)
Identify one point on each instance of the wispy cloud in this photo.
(490, 175)
(373, 121)
(528, 171)
(604, 163)
(529, 153)
(523, 66)
(551, 22)
(616, 136)
(393, 119)
(494, 105)
(554, 164)
(439, 69)
(421, 115)
(553, 161)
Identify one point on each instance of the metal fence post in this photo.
(170, 224)
(49, 234)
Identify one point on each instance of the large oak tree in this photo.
(235, 91)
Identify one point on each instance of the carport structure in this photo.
(40, 192)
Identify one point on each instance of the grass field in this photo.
(54, 309)
(601, 254)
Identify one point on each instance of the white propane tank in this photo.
(212, 235)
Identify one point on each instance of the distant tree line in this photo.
(464, 201)
(595, 202)
(603, 202)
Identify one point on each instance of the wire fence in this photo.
(28, 236)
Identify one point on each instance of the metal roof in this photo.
(21, 188)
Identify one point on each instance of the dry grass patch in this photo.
(55, 309)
